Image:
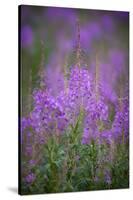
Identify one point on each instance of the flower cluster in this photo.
(30, 178)
(53, 114)
(96, 114)
(47, 114)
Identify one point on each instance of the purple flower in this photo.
(25, 123)
(26, 36)
(30, 178)
(28, 150)
(108, 24)
(107, 135)
(86, 136)
(32, 163)
(55, 111)
(107, 177)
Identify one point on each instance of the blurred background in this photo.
(48, 41)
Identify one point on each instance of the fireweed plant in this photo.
(75, 139)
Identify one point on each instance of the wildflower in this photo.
(108, 177)
(30, 178)
(26, 36)
(32, 163)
